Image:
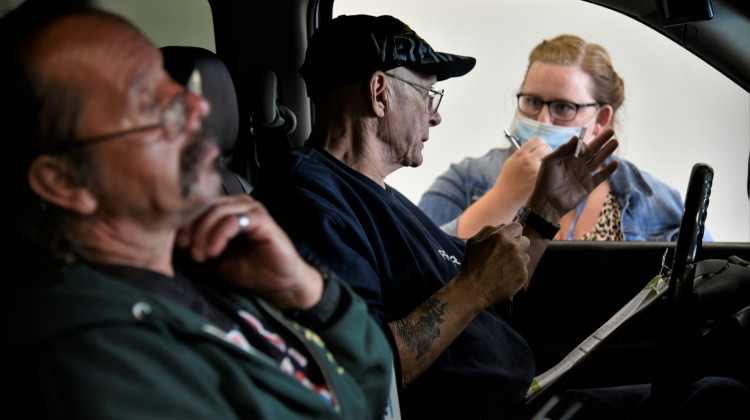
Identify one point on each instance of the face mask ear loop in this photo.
(592, 121)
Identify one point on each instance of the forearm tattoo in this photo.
(419, 334)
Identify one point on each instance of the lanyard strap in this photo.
(579, 209)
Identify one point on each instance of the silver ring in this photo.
(243, 221)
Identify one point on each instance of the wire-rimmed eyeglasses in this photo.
(436, 96)
(559, 110)
(172, 122)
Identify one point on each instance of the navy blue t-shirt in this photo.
(395, 257)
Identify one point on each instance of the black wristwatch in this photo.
(533, 220)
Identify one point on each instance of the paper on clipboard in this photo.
(648, 295)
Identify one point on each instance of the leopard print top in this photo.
(608, 226)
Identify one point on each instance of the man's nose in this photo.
(198, 108)
(435, 119)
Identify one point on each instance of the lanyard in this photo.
(579, 209)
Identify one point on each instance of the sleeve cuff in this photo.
(329, 304)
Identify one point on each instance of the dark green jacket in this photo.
(84, 345)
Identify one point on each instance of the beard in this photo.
(200, 143)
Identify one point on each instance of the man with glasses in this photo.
(371, 82)
(110, 170)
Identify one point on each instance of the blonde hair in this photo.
(593, 59)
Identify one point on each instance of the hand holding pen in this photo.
(512, 139)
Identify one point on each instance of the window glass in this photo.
(168, 22)
(678, 110)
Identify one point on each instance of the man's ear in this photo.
(53, 178)
(377, 88)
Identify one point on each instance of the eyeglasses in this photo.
(559, 110)
(436, 96)
(172, 122)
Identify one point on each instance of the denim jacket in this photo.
(651, 210)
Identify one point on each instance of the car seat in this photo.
(217, 87)
(269, 124)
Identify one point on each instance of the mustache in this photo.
(199, 145)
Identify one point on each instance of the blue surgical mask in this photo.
(554, 135)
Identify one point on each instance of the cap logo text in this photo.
(406, 49)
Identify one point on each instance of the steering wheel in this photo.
(707, 329)
(690, 238)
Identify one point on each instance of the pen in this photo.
(512, 139)
(580, 140)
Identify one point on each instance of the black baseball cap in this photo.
(351, 47)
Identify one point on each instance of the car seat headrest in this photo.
(216, 85)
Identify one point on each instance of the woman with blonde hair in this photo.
(569, 85)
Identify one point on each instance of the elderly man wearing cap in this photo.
(434, 295)
(371, 82)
